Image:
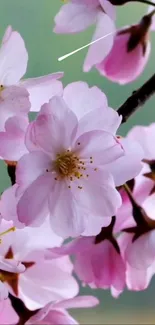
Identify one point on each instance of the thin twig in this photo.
(137, 99)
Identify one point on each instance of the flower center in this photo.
(66, 164)
(69, 166)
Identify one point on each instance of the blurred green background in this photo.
(34, 20)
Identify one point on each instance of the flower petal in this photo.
(82, 99)
(32, 208)
(99, 50)
(31, 166)
(54, 128)
(128, 165)
(42, 89)
(73, 18)
(13, 58)
(12, 141)
(102, 146)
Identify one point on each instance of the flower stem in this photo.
(137, 99)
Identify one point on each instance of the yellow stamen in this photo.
(7, 231)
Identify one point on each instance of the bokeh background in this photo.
(34, 19)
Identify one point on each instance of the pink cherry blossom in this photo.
(98, 263)
(7, 314)
(56, 313)
(14, 58)
(42, 281)
(65, 163)
(129, 54)
(76, 16)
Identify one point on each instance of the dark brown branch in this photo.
(137, 99)
(23, 313)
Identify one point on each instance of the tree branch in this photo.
(19, 307)
(137, 99)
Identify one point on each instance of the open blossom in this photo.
(129, 54)
(42, 281)
(72, 168)
(75, 16)
(13, 65)
(57, 314)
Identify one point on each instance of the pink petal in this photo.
(99, 50)
(98, 194)
(32, 208)
(108, 8)
(31, 166)
(141, 253)
(78, 302)
(128, 165)
(53, 317)
(138, 280)
(102, 118)
(68, 218)
(13, 58)
(8, 315)
(143, 135)
(12, 141)
(102, 146)
(45, 282)
(42, 89)
(73, 18)
(11, 265)
(82, 99)
(54, 128)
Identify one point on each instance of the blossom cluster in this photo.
(73, 177)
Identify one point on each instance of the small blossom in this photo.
(129, 54)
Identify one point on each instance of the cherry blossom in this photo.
(132, 48)
(13, 65)
(76, 16)
(42, 281)
(65, 162)
(98, 261)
